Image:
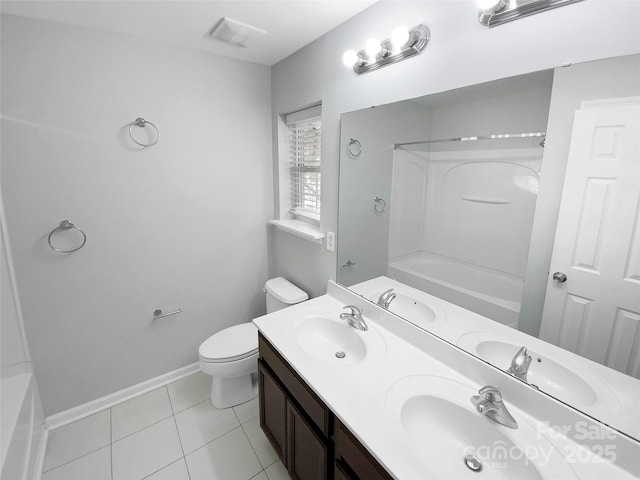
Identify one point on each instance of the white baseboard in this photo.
(94, 406)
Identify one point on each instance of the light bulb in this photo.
(491, 5)
(399, 37)
(373, 47)
(349, 58)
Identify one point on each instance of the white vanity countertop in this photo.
(361, 394)
(618, 393)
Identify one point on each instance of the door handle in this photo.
(559, 277)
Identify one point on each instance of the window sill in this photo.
(300, 229)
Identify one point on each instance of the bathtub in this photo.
(22, 428)
(490, 293)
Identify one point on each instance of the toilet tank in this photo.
(282, 293)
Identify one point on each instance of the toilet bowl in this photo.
(231, 355)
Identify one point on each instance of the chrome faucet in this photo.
(354, 318)
(520, 364)
(386, 298)
(489, 402)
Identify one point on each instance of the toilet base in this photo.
(228, 392)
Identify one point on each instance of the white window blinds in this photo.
(304, 161)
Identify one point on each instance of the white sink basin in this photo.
(438, 421)
(335, 342)
(566, 381)
(411, 309)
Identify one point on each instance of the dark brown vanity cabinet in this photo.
(353, 461)
(311, 442)
(293, 418)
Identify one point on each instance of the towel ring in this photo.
(66, 225)
(377, 203)
(141, 123)
(354, 149)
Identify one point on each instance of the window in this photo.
(305, 135)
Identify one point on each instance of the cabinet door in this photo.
(353, 461)
(273, 410)
(307, 453)
(342, 472)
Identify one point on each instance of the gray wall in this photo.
(461, 53)
(178, 225)
(364, 233)
(14, 351)
(611, 78)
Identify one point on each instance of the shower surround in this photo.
(461, 219)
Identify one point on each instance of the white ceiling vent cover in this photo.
(234, 32)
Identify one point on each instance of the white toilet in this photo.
(231, 355)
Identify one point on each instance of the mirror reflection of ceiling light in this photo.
(404, 43)
(496, 12)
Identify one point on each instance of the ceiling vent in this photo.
(234, 32)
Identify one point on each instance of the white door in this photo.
(595, 312)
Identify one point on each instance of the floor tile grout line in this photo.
(111, 441)
(173, 415)
(249, 419)
(252, 447)
(166, 466)
(77, 458)
(174, 461)
(146, 426)
(191, 406)
(200, 403)
(173, 412)
(237, 417)
(143, 428)
(261, 471)
(208, 397)
(175, 422)
(215, 439)
(184, 456)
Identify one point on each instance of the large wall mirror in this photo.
(519, 200)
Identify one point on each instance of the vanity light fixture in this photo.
(402, 44)
(496, 12)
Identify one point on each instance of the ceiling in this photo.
(290, 24)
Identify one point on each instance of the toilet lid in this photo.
(233, 343)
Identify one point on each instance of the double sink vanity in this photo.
(361, 393)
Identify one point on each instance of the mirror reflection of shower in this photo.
(461, 215)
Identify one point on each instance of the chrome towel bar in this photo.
(354, 149)
(158, 313)
(66, 225)
(142, 123)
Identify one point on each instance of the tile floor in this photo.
(171, 433)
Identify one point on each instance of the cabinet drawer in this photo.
(309, 402)
(360, 464)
